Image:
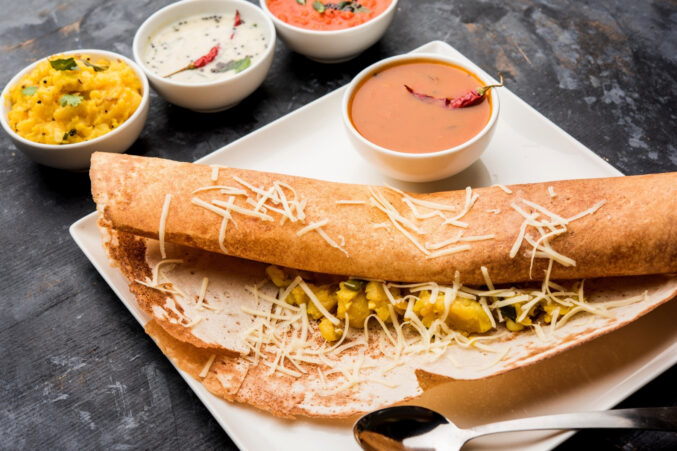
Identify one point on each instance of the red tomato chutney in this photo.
(332, 15)
(386, 113)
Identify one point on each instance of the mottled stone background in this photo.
(77, 372)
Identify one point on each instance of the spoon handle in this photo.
(657, 419)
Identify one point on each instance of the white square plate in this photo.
(527, 147)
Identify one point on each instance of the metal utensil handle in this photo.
(657, 419)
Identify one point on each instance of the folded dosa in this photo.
(634, 231)
(629, 230)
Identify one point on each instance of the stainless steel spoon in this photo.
(419, 428)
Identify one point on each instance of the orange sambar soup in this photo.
(386, 113)
(332, 15)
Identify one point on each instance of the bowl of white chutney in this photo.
(206, 55)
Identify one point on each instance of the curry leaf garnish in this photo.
(95, 67)
(29, 90)
(70, 100)
(301, 2)
(348, 6)
(64, 64)
(318, 6)
(236, 65)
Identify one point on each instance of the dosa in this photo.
(139, 224)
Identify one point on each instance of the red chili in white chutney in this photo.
(421, 106)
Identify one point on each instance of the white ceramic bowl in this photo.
(215, 95)
(421, 167)
(75, 157)
(333, 46)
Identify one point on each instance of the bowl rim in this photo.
(333, 33)
(4, 109)
(411, 57)
(195, 4)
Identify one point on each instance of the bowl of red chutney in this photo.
(328, 31)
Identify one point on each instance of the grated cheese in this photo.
(243, 211)
(485, 307)
(449, 251)
(550, 252)
(424, 203)
(487, 279)
(539, 332)
(223, 188)
(495, 362)
(470, 199)
(589, 211)
(478, 237)
(312, 226)
(379, 201)
(350, 202)
(210, 207)
(442, 244)
(224, 225)
(394, 221)
(331, 242)
(545, 211)
(334, 320)
(208, 365)
(504, 188)
(163, 224)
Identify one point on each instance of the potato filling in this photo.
(464, 310)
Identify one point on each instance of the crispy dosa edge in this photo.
(634, 233)
(236, 380)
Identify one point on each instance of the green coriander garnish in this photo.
(64, 64)
(70, 100)
(301, 2)
(318, 6)
(29, 90)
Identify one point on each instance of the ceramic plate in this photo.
(527, 147)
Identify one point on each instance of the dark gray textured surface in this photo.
(77, 372)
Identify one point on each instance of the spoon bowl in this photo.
(392, 425)
(418, 428)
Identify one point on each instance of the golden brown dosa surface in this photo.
(635, 232)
